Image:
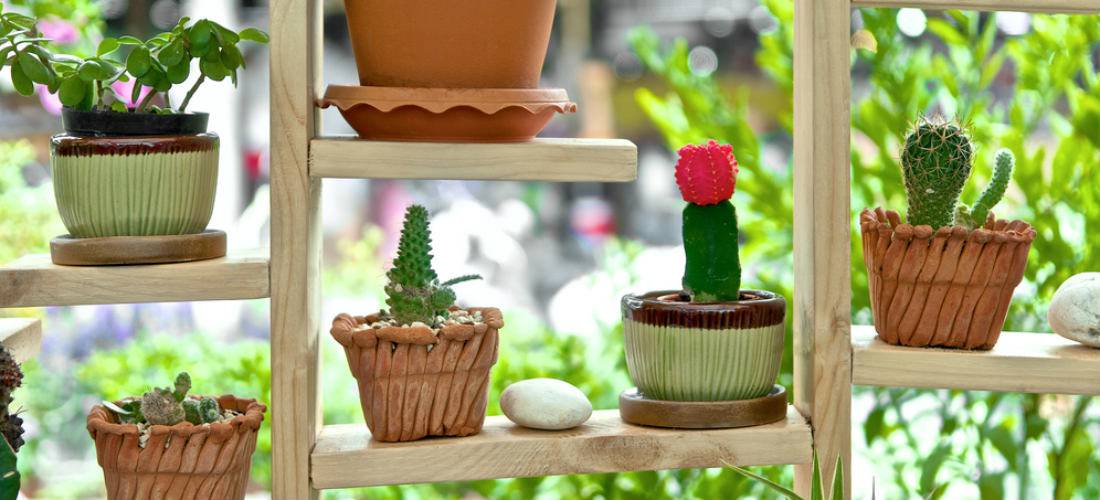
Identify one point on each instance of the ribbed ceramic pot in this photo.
(111, 181)
(682, 351)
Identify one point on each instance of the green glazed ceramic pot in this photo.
(682, 351)
(133, 185)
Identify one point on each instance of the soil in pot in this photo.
(415, 381)
(945, 288)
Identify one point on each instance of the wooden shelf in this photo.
(558, 160)
(345, 457)
(21, 336)
(1020, 362)
(34, 281)
(1047, 6)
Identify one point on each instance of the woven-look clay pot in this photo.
(455, 115)
(182, 461)
(452, 44)
(945, 288)
(683, 351)
(414, 383)
(113, 177)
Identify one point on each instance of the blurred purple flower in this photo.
(58, 30)
(125, 90)
(49, 101)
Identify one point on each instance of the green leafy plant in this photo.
(158, 63)
(817, 485)
(936, 161)
(414, 292)
(168, 406)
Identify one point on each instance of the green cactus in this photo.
(935, 161)
(713, 269)
(414, 293)
(168, 406)
(161, 408)
(974, 217)
(11, 377)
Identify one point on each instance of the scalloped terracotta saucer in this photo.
(447, 115)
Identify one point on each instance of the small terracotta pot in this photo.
(453, 44)
(452, 115)
(683, 351)
(414, 383)
(945, 288)
(182, 461)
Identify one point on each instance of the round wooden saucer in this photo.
(634, 408)
(123, 250)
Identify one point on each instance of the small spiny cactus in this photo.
(936, 161)
(975, 216)
(707, 176)
(414, 293)
(11, 377)
(168, 406)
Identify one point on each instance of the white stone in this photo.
(1075, 309)
(545, 403)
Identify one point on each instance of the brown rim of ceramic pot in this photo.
(945, 288)
(415, 382)
(467, 44)
(756, 309)
(184, 461)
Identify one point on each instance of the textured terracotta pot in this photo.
(945, 288)
(182, 461)
(682, 351)
(453, 44)
(414, 383)
(454, 115)
(113, 184)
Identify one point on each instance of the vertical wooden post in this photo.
(295, 246)
(822, 199)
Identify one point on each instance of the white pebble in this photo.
(545, 403)
(1075, 309)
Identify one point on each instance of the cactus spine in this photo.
(935, 161)
(11, 377)
(707, 176)
(414, 293)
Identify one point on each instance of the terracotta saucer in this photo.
(127, 250)
(447, 115)
(635, 408)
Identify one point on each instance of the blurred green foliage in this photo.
(28, 218)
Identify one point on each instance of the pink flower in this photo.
(50, 102)
(59, 31)
(706, 174)
(125, 90)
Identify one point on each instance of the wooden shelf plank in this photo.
(556, 160)
(34, 281)
(1040, 6)
(345, 457)
(1020, 362)
(21, 336)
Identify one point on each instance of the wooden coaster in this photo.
(634, 408)
(123, 250)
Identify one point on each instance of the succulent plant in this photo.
(707, 175)
(168, 406)
(936, 162)
(414, 292)
(11, 377)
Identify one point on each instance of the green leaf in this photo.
(92, 70)
(19, 80)
(178, 74)
(9, 474)
(213, 70)
(171, 54)
(838, 480)
(129, 40)
(107, 46)
(118, 107)
(199, 34)
(872, 425)
(254, 35)
(33, 68)
(772, 485)
(231, 57)
(135, 94)
(72, 91)
(1004, 443)
(139, 62)
(226, 37)
(817, 490)
(931, 466)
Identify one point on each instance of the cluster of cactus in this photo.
(936, 162)
(11, 377)
(707, 175)
(414, 292)
(169, 406)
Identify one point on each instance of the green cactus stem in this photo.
(1002, 173)
(935, 161)
(414, 293)
(713, 269)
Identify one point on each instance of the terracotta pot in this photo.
(182, 461)
(466, 44)
(448, 115)
(110, 182)
(945, 288)
(682, 351)
(414, 383)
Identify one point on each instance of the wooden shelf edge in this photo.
(1036, 6)
(21, 336)
(34, 281)
(554, 160)
(1020, 362)
(344, 456)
